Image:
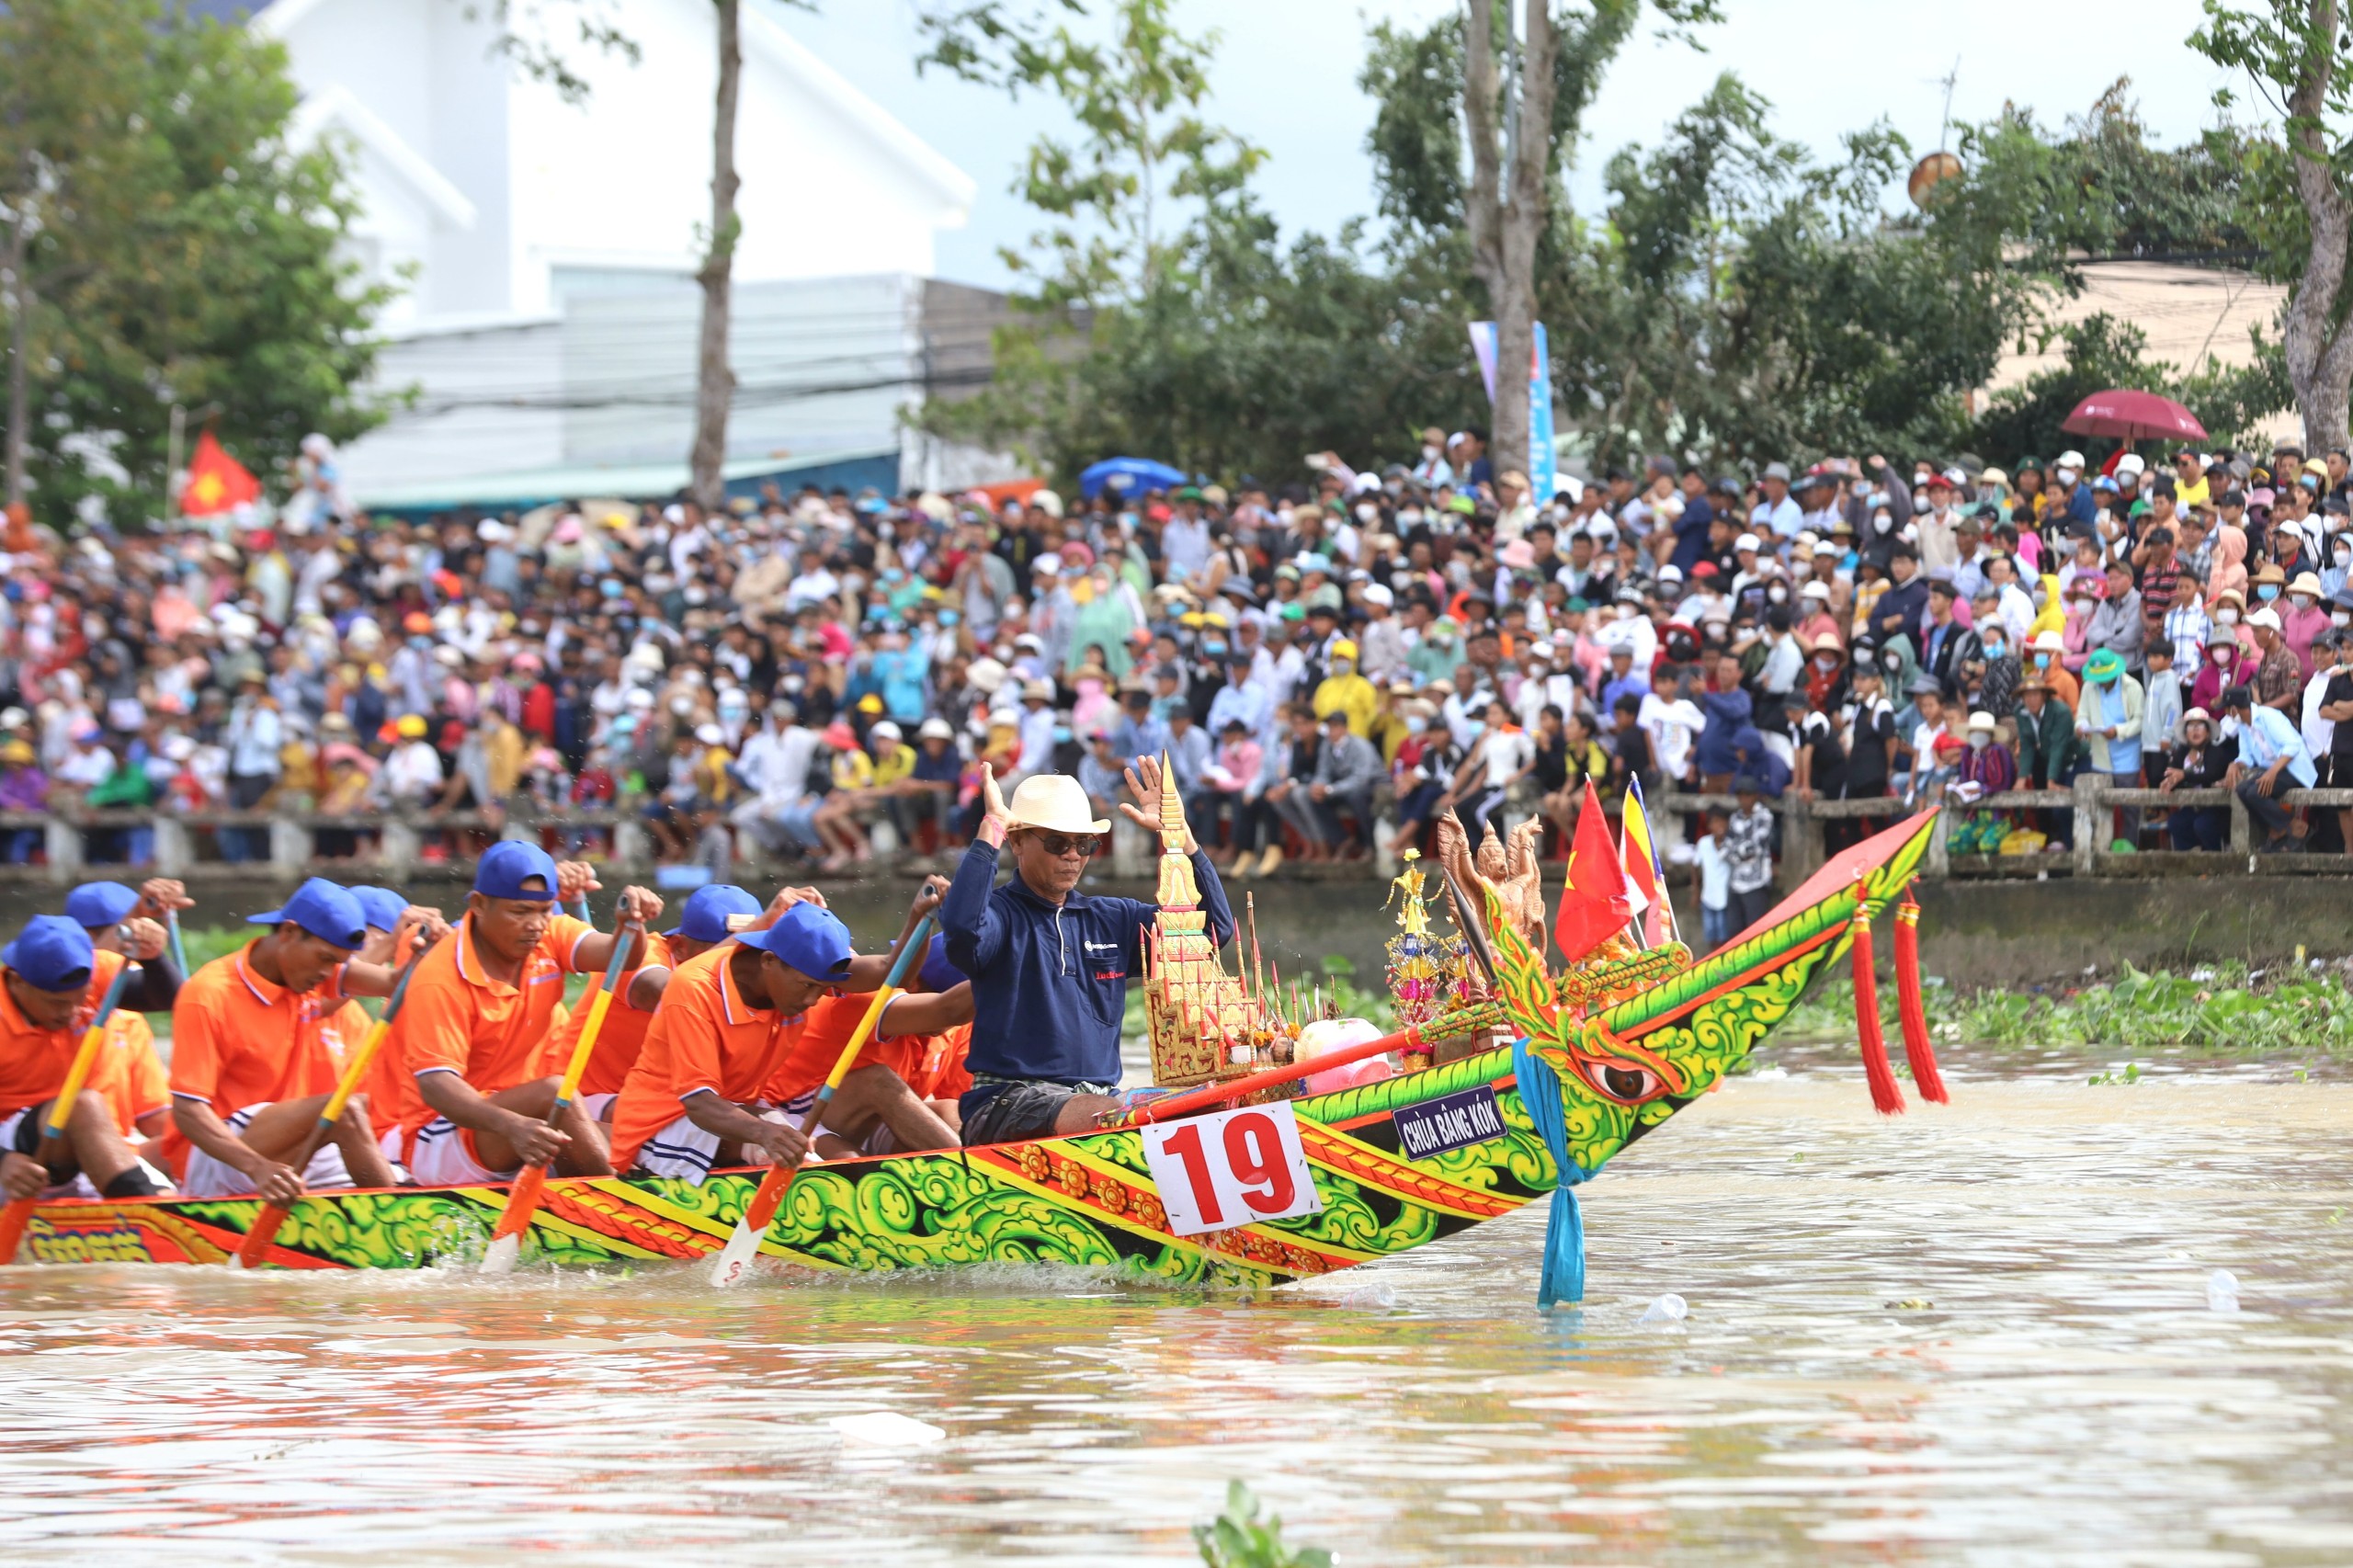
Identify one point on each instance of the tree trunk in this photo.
(714, 381)
(1509, 207)
(20, 301)
(2319, 354)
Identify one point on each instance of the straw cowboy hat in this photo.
(1055, 802)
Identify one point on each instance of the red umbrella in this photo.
(2133, 416)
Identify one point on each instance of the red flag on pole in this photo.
(216, 481)
(1594, 905)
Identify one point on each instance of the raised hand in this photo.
(928, 897)
(574, 879)
(1146, 783)
(642, 905)
(997, 817)
(159, 896)
(145, 938)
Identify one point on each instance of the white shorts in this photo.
(686, 1152)
(445, 1157)
(598, 1107)
(207, 1177)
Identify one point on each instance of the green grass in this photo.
(2222, 1010)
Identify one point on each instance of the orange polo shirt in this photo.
(704, 1035)
(239, 1039)
(130, 1072)
(458, 1019)
(622, 1037)
(935, 1067)
(33, 1062)
(831, 1023)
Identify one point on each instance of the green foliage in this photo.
(179, 249)
(2226, 1011)
(1237, 1539)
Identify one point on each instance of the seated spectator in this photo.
(2196, 762)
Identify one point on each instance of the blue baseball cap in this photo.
(96, 905)
(52, 952)
(322, 909)
(510, 863)
(808, 938)
(937, 974)
(704, 918)
(381, 906)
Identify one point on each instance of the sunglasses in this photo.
(1064, 844)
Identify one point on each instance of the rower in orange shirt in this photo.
(44, 984)
(257, 1045)
(474, 1029)
(121, 920)
(695, 1100)
(878, 1110)
(702, 925)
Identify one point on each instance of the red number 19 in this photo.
(1185, 1144)
(1254, 1151)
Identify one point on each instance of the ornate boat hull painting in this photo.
(1091, 1199)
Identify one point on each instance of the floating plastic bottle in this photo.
(2221, 1291)
(1670, 1308)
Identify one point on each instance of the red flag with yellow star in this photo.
(216, 481)
(1594, 905)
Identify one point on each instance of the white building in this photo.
(546, 250)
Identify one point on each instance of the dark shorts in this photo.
(1003, 1113)
(26, 1140)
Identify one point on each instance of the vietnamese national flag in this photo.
(216, 481)
(1593, 906)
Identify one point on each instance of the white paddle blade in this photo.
(236, 1261)
(503, 1254)
(734, 1260)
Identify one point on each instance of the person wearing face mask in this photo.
(1345, 692)
(1433, 469)
(1986, 767)
(2304, 619)
(2340, 610)
(2047, 661)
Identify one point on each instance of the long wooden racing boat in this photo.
(1090, 1199)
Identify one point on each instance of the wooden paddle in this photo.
(735, 1257)
(523, 1198)
(265, 1228)
(19, 1211)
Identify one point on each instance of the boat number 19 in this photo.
(1235, 1168)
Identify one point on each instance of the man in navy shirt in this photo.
(1050, 966)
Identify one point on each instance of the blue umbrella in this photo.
(1126, 474)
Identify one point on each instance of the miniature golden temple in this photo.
(1205, 1024)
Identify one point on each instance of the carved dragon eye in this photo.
(1630, 1084)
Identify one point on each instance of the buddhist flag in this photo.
(1593, 906)
(216, 481)
(1647, 884)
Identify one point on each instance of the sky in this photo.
(1285, 72)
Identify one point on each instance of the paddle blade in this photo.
(734, 1260)
(13, 1221)
(259, 1236)
(506, 1241)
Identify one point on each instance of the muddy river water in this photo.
(1976, 1335)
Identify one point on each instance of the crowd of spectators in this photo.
(1323, 656)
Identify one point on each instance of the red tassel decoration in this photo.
(1886, 1098)
(1916, 1049)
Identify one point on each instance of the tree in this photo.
(714, 381)
(167, 246)
(2294, 52)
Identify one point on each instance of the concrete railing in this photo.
(2091, 797)
(392, 847)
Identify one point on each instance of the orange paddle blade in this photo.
(521, 1203)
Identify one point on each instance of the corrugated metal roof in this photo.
(853, 467)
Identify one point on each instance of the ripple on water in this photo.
(1971, 1334)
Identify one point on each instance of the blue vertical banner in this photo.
(1539, 401)
(1540, 421)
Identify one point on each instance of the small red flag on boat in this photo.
(216, 481)
(1594, 905)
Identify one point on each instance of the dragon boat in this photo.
(1532, 1117)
